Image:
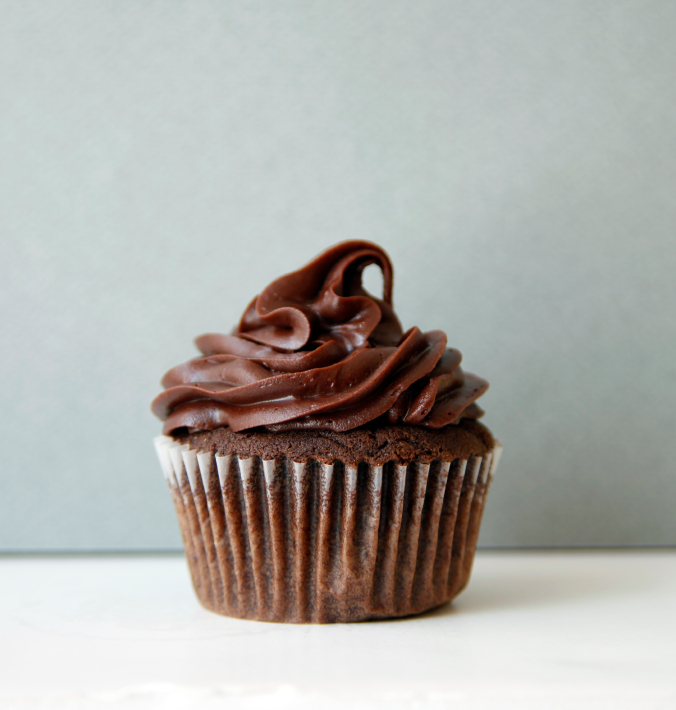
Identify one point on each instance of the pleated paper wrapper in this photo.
(309, 542)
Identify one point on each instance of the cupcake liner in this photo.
(309, 542)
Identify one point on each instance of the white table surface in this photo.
(533, 630)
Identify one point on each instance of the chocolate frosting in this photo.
(317, 351)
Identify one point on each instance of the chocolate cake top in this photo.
(375, 446)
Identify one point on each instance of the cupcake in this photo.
(325, 465)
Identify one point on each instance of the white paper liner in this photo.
(288, 541)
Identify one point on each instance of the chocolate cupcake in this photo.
(325, 465)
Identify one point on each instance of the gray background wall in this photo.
(161, 162)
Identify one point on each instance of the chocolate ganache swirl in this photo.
(317, 351)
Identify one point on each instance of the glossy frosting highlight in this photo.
(316, 351)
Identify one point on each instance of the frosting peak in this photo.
(316, 351)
